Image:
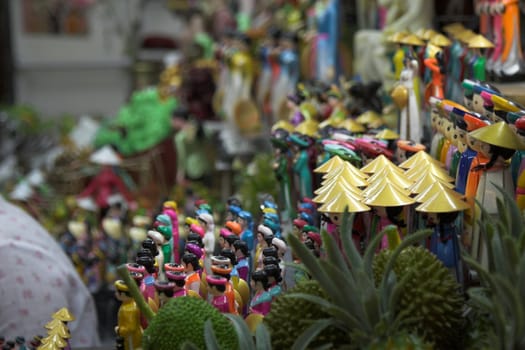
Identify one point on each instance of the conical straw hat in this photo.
(368, 117)
(399, 179)
(379, 163)
(388, 196)
(431, 191)
(412, 161)
(343, 169)
(397, 37)
(425, 182)
(416, 174)
(349, 176)
(453, 27)
(387, 134)
(62, 331)
(480, 42)
(440, 40)
(443, 202)
(105, 156)
(413, 40)
(63, 315)
(331, 164)
(352, 126)
(341, 201)
(49, 346)
(283, 124)
(327, 193)
(53, 323)
(429, 34)
(499, 134)
(378, 185)
(54, 339)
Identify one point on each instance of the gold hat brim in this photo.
(429, 34)
(424, 168)
(283, 124)
(416, 158)
(388, 196)
(412, 40)
(480, 42)
(53, 323)
(348, 176)
(344, 169)
(465, 36)
(330, 165)
(336, 123)
(379, 163)
(61, 331)
(63, 315)
(440, 40)
(453, 27)
(343, 201)
(443, 202)
(499, 134)
(397, 37)
(398, 178)
(387, 134)
(49, 346)
(378, 185)
(308, 128)
(425, 182)
(431, 191)
(54, 339)
(368, 117)
(352, 126)
(329, 192)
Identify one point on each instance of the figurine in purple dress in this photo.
(217, 288)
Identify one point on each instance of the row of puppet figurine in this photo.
(57, 338)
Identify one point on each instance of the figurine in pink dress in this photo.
(179, 279)
(165, 291)
(217, 288)
(261, 301)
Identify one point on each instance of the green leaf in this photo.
(263, 339)
(516, 219)
(499, 258)
(511, 302)
(349, 248)
(244, 335)
(143, 306)
(187, 345)
(311, 333)
(333, 252)
(209, 336)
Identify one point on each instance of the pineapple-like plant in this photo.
(357, 305)
(501, 295)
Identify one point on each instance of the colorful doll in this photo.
(520, 173)
(178, 278)
(206, 221)
(265, 79)
(261, 301)
(478, 43)
(437, 66)
(301, 143)
(221, 267)
(264, 240)
(289, 72)
(217, 288)
(128, 326)
(191, 268)
(274, 280)
(170, 209)
(242, 253)
(165, 291)
(327, 40)
(147, 288)
(512, 67)
(163, 225)
(335, 100)
(246, 221)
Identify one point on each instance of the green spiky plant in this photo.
(358, 306)
(501, 296)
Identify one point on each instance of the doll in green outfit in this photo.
(193, 162)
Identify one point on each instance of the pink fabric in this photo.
(180, 293)
(220, 302)
(37, 279)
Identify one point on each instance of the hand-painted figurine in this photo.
(207, 222)
(327, 40)
(289, 72)
(274, 279)
(107, 182)
(265, 79)
(217, 288)
(245, 219)
(191, 268)
(165, 291)
(301, 143)
(221, 267)
(264, 240)
(242, 254)
(164, 225)
(178, 278)
(170, 209)
(128, 318)
(261, 301)
(436, 65)
(512, 66)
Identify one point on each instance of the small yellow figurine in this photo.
(128, 318)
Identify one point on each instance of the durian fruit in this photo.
(290, 317)
(182, 321)
(430, 305)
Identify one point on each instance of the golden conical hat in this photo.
(433, 50)
(54, 339)
(48, 346)
(432, 190)
(283, 124)
(309, 111)
(62, 331)
(53, 323)
(330, 165)
(327, 193)
(413, 40)
(335, 123)
(465, 36)
(341, 170)
(341, 201)
(399, 179)
(417, 173)
(352, 126)
(499, 134)
(412, 161)
(397, 37)
(443, 202)
(429, 34)
(440, 40)
(247, 117)
(426, 181)
(378, 185)
(388, 196)
(368, 117)
(308, 128)
(420, 32)
(480, 42)
(63, 315)
(453, 27)
(421, 163)
(387, 134)
(379, 163)
(348, 176)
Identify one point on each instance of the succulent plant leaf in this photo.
(209, 336)
(263, 339)
(312, 332)
(244, 335)
(333, 252)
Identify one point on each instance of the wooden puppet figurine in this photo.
(217, 287)
(261, 301)
(178, 278)
(281, 148)
(128, 326)
(191, 268)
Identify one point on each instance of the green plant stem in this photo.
(144, 308)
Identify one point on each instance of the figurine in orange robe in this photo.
(128, 318)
